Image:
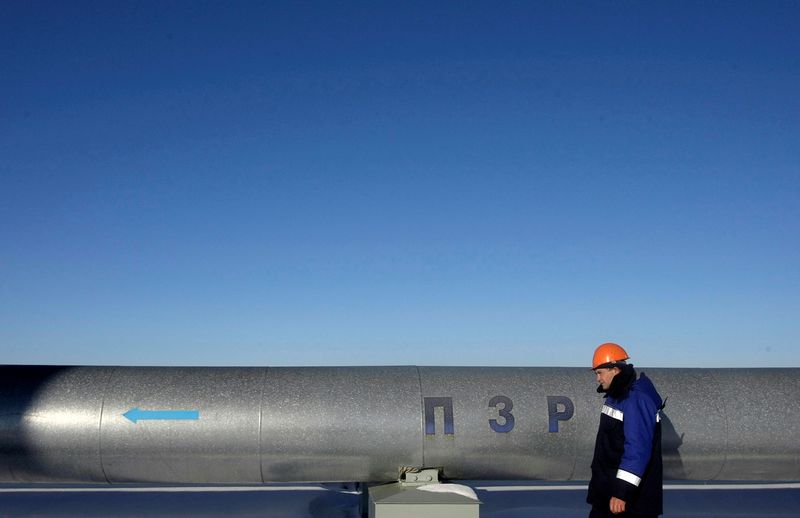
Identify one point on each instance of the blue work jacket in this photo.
(627, 456)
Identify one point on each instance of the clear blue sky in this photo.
(453, 183)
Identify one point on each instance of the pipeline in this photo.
(251, 425)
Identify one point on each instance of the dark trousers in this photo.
(597, 512)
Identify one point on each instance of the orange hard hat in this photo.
(608, 353)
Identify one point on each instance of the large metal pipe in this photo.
(328, 424)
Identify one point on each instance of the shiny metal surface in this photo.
(221, 446)
(694, 423)
(50, 423)
(528, 450)
(311, 424)
(340, 423)
(767, 410)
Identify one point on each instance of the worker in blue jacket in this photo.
(626, 468)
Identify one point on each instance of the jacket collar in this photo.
(621, 384)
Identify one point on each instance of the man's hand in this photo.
(617, 506)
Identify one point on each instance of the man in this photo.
(626, 469)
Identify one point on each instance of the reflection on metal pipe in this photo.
(329, 424)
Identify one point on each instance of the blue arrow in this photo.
(135, 414)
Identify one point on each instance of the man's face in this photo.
(605, 375)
